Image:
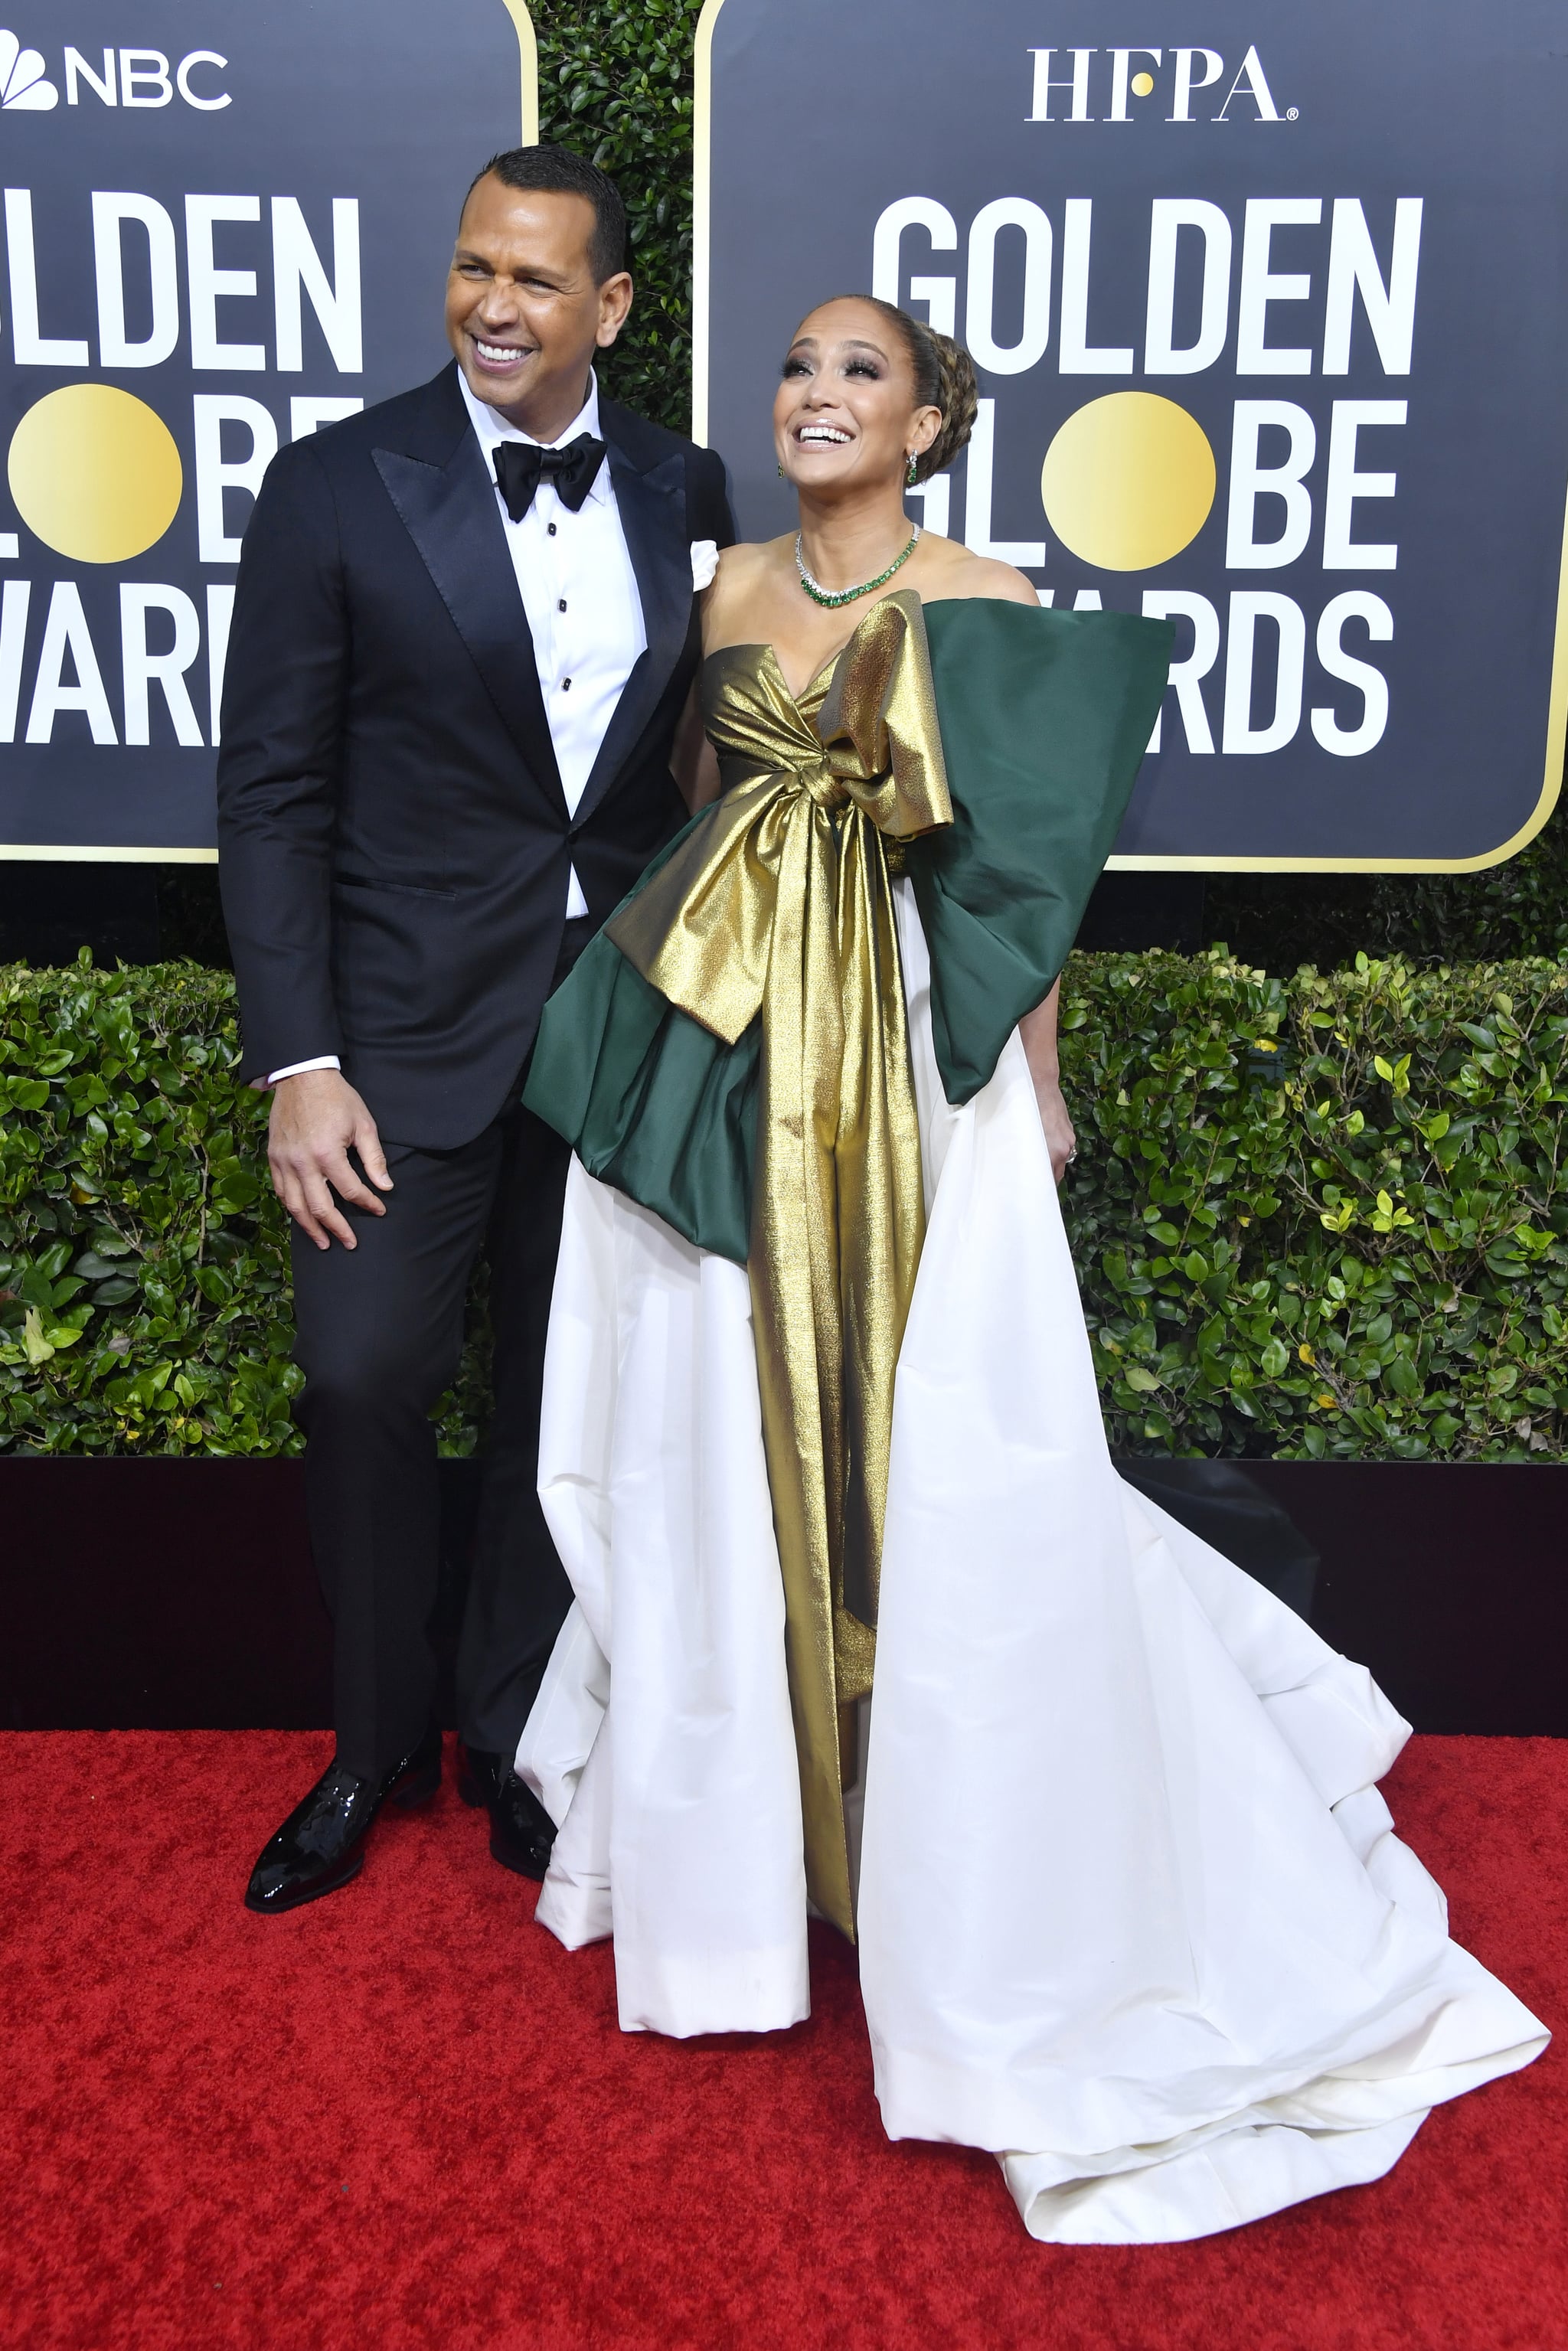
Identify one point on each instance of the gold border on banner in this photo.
(702, 194)
(528, 62)
(43, 852)
(1557, 704)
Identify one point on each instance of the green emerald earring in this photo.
(780, 473)
(913, 476)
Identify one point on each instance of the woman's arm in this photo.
(1037, 1030)
(694, 762)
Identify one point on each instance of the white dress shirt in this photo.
(584, 614)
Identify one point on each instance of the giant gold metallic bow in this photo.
(779, 902)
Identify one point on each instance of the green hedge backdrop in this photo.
(1312, 1217)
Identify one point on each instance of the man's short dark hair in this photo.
(558, 172)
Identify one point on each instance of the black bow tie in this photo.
(522, 466)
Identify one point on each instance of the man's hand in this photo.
(316, 1120)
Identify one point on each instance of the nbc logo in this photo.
(23, 88)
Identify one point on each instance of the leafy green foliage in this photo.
(615, 83)
(1321, 1217)
(1316, 1217)
(144, 1283)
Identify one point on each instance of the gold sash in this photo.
(780, 903)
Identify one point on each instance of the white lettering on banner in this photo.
(940, 294)
(215, 100)
(68, 638)
(215, 474)
(143, 69)
(219, 613)
(300, 277)
(1248, 607)
(1259, 286)
(1119, 72)
(1251, 73)
(1355, 604)
(1181, 604)
(142, 669)
(76, 65)
(1044, 84)
(1340, 552)
(297, 269)
(110, 213)
(14, 598)
(1195, 68)
(1074, 354)
(66, 632)
(1251, 481)
(209, 285)
(30, 348)
(1169, 216)
(1186, 81)
(1353, 269)
(1009, 359)
(1028, 554)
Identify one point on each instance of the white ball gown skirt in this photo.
(1131, 1911)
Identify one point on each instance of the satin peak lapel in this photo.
(449, 511)
(652, 509)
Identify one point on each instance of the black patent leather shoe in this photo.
(521, 1831)
(321, 1845)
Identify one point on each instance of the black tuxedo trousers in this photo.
(394, 849)
(378, 1337)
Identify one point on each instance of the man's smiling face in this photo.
(524, 312)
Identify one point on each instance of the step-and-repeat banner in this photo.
(1269, 307)
(223, 225)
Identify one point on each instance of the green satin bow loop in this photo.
(779, 902)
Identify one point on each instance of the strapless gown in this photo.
(1131, 1912)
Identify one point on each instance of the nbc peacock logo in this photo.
(25, 88)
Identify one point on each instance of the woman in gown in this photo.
(1129, 1910)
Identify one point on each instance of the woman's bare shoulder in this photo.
(744, 574)
(749, 562)
(954, 571)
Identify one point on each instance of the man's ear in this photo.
(614, 306)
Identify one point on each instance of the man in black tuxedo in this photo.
(464, 634)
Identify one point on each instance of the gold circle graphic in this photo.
(95, 472)
(1142, 84)
(1128, 481)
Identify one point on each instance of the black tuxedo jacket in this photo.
(394, 844)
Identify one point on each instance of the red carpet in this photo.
(404, 2116)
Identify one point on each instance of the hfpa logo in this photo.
(1190, 70)
(24, 89)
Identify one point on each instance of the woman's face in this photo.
(845, 415)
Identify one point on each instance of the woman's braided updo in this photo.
(943, 378)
